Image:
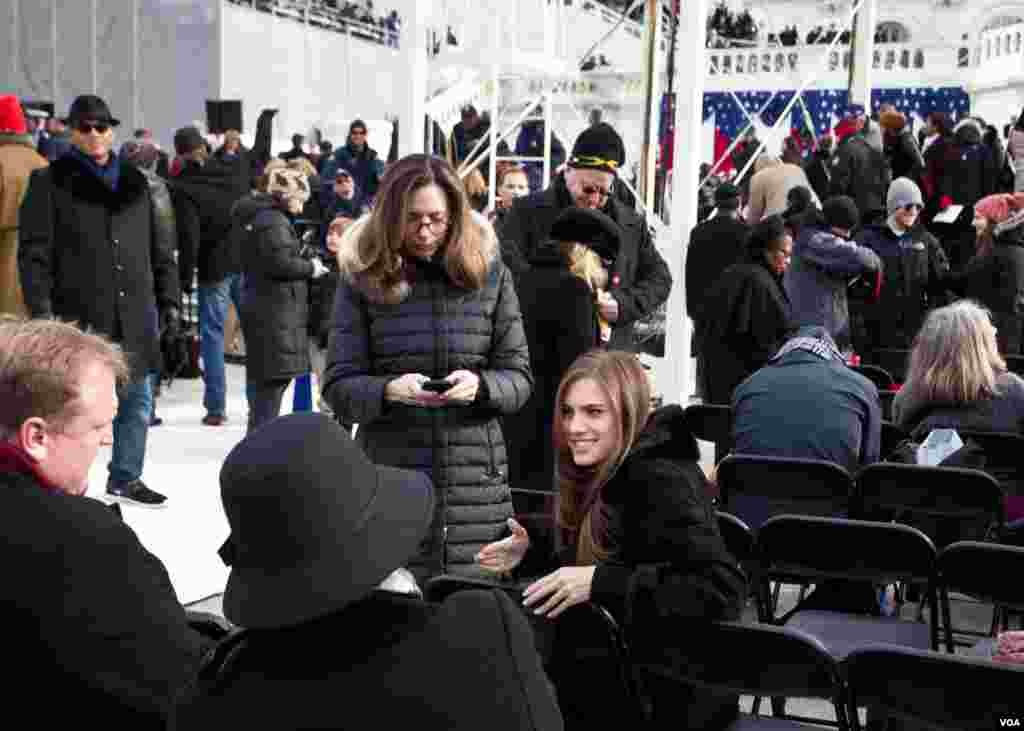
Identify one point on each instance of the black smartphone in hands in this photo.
(437, 385)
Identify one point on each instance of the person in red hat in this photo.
(18, 158)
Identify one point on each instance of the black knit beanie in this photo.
(598, 148)
(841, 211)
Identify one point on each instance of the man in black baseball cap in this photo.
(641, 277)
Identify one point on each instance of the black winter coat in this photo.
(969, 169)
(560, 319)
(98, 257)
(915, 270)
(399, 662)
(747, 318)
(997, 280)
(436, 328)
(208, 240)
(904, 156)
(643, 276)
(670, 570)
(861, 172)
(715, 246)
(819, 173)
(275, 293)
(96, 630)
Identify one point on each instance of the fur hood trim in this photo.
(352, 268)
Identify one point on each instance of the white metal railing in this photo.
(890, 57)
(326, 15)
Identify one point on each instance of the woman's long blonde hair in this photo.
(585, 264)
(380, 243)
(581, 510)
(955, 358)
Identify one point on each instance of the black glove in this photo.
(170, 323)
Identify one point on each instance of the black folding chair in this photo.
(755, 488)
(893, 360)
(711, 423)
(586, 634)
(935, 691)
(885, 400)
(879, 376)
(1015, 363)
(755, 659)
(947, 503)
(1003, 456)
(736, 534)
(820, 549)
(989, 572)
(892, 437)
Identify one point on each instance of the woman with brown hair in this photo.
(635, 526)
(427, 350)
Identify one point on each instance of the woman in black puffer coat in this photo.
(275, 290)
(424, 296)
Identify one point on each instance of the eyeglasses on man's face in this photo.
(436, 222)
(87, 127)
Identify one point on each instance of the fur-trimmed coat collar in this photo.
(352, 268)
(71, 175)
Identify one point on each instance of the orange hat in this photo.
(12, 118)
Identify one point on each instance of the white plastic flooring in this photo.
(183, 460)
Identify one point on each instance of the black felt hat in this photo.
(598, 147)
(841, 211)
(314, 524)
(90, 107)
(591, 228)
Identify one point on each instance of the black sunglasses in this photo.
(87, 127)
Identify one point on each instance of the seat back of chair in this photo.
(892, 437)
(712, 423)
(879, 376)
(941, 691)
(894, 360)
(988, 571)
(816, 549)
(1004, 456)
(592, 671)
(1015, 363)
(755, 488)
(738, 538)
(750, 658)
(947, 503)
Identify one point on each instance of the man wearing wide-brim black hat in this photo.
(319, 538)
(640, 280)
(90, 252)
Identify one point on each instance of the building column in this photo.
(674, 376)
(411, 87)
(863, 54)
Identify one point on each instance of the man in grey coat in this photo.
(824, 263)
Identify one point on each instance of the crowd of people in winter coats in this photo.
(506, 429)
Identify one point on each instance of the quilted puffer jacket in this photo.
(435, 328)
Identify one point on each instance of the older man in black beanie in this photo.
(640, 280)
(715, 245)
